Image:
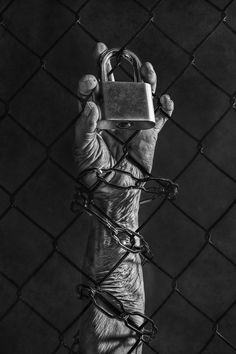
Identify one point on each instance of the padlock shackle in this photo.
(125, 53)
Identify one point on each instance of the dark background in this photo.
(45, 47)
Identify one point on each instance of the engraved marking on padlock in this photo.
(125, 105)
(124, 125)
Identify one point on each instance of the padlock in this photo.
(124, 105)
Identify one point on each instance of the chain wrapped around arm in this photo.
(103, 300)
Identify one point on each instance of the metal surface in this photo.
(184, 318)
(125, 105)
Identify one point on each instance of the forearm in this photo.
(101, 334)
(95, 151)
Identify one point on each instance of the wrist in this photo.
(119, 206)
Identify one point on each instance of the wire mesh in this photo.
(90, 292)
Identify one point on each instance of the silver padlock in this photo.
(124, 105)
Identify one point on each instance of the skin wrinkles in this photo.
(100, 334)
(125, 282)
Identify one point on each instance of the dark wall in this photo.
(45, 46)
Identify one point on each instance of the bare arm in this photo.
(99, 333)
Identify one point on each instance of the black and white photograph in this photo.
(117, 176)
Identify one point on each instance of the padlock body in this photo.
(126, 105)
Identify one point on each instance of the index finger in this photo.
(89, 83)
(149, 75)
(98, 50)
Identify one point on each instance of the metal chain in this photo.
(83, 198)
(41, 58)
(166, 187)
(117, 310)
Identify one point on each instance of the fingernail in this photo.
(99, 49)
(149, 67)
(165, 99)
(86, 84)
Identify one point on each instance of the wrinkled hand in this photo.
(99, 150)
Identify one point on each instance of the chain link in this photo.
(112, 307)
(83, 200)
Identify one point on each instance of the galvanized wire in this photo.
(165, 188)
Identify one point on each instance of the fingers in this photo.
(142, 147)
(86, 85)
(85, 127)
(89, 148)
(148, 74)
(85, 136)
(167, 104)
(98, 50)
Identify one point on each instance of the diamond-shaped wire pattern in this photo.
(190, 283)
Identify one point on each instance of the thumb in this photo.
(85, 127)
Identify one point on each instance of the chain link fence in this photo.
(190, 280)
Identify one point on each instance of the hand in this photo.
(93, 149)
(100, 150)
